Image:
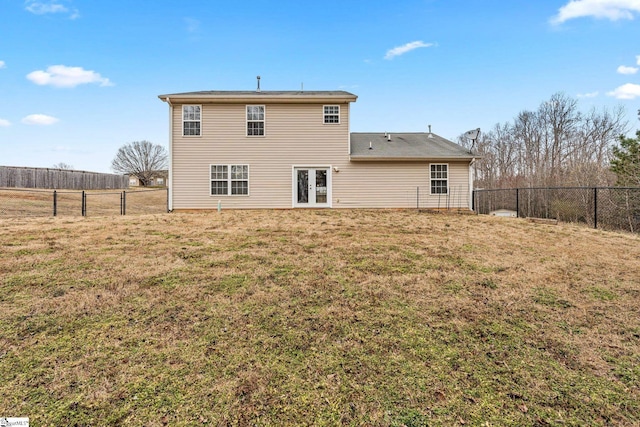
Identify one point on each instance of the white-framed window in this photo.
(331, 114)
(229, 180)
(439, 178)
(160, 181)
(191, 120)
(255, 120)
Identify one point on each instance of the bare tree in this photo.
(63, 165)
(528, 133)
(588, 161)
(559, 117)
(141, 159)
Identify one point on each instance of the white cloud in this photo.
(401, 50)
(3, 65)
(5, 123)
(63, 76)
(44, 8)
(39, 119)
(588, 95)
(627, 91)
(601, 9)
(52, 6)
(638, 59)
(626, 70)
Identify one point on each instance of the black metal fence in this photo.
(15, 202)
(610, 208)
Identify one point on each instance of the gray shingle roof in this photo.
(264, 94)
(406, 146)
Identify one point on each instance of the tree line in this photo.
(556, 145)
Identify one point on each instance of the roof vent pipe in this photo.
(258, 90)
(389, 137)
(430, 134)
(370, 146)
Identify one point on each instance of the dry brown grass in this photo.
(317, 318)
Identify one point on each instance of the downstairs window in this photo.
(229, 180)
(439, 178)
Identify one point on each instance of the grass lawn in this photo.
(320, 317)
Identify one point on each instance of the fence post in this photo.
(595, 207)
(84, 203)
(55, 203)
(473, 201)
(124, 203)
(517, 203)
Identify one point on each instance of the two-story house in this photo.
(294, 149)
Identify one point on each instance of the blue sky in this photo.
(80, 78)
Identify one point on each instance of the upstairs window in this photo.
(191, 120)
(255, 120)
(331, 114)
(439, 179)
(229, 180)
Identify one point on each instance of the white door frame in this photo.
(294, 187)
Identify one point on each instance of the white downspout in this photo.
(471, 175)
(170, 207)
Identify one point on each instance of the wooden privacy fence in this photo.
(24, 177)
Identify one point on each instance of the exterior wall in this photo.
(295, 135)
(394, 185)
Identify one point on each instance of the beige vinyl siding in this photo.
(295, 135)
(394, 185)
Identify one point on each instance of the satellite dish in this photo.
(472, 134)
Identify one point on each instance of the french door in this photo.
(311, 187)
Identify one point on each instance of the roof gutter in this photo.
(408, 159)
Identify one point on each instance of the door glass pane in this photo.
(303, 186)
(321, 186)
